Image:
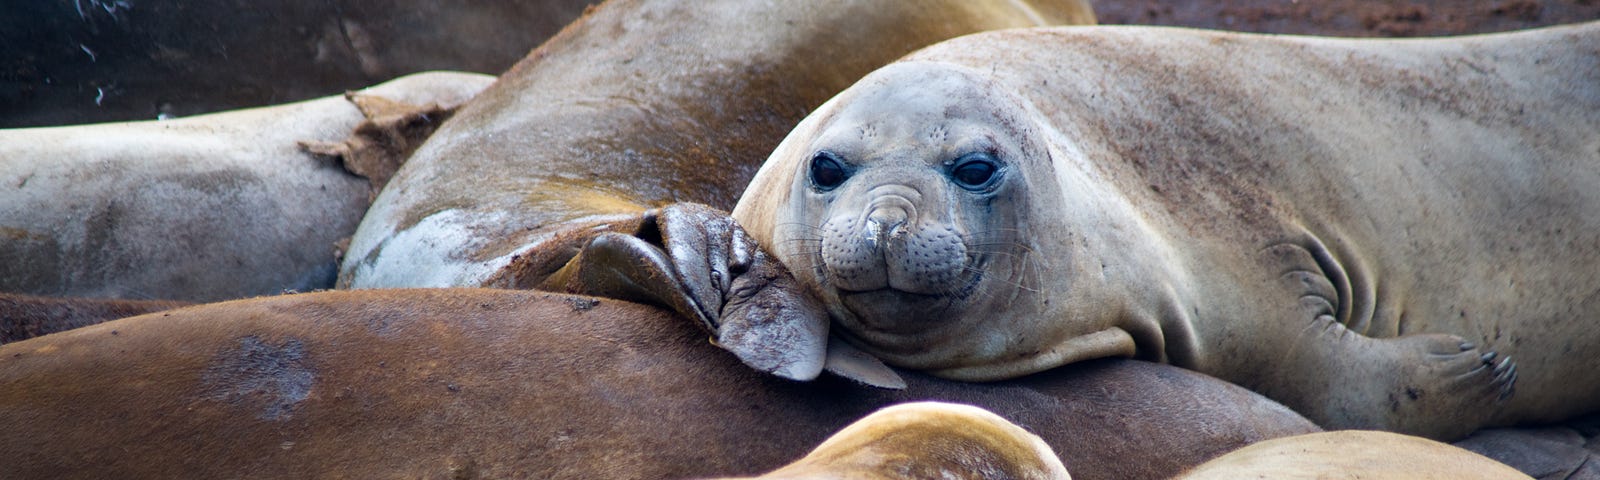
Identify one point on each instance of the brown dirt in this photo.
(66, 62)
(1353, 18)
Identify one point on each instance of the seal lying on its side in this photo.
(1368, 231)
(480, 383)
(205, 208)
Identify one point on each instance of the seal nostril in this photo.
(883, 224)
(886, 218)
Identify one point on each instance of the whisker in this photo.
(801, 226)
(1006, 281)
(997, 252)
(789, 241)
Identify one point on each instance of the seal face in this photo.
(909, 226)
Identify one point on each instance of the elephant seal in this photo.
(929, 440)
(1369, 231)
(205, 208)
(634, 106)
(1352, 454)
(488, 383)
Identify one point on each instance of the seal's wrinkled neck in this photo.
(1124, 273)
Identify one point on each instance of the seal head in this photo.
(911, 213)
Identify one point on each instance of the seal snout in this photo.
(886, 220)
(889, 245)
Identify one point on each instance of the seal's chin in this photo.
(892, 310)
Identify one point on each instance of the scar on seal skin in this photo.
(269, 378)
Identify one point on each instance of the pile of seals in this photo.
(1380, 234)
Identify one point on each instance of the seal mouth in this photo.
(894, 310)
(962, 291)
(890, 294)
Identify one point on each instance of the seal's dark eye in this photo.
(827, 172)
(974, 171)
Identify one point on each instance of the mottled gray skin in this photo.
(1384, 234)
(206, 208)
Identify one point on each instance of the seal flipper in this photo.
(1434, 385)
(697, 261)
(624, 267)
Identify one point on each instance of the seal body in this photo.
(1548, 451)
(205, 208)
(1394, 234)
(1352, 454)
(929, 440)
(636, 105)
(482, 383)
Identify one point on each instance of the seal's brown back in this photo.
(495, 383)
